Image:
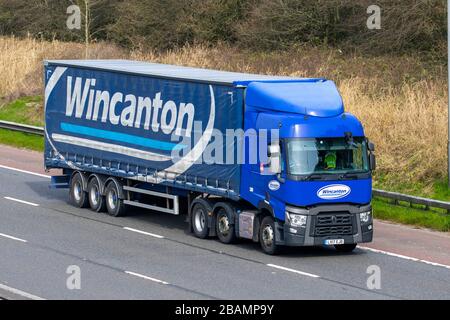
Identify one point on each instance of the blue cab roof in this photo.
(314, 97)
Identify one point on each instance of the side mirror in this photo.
(275, 158)
(372, 159)
(372, 162)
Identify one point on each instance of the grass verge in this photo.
(21, 140)
(435, 219)
(26, 110)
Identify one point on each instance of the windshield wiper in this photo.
(312, 176)
(318, 176)
(352, 174)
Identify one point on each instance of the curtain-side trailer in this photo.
(272, 159)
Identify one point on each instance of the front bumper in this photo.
(352, 231)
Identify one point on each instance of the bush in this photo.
(407, 26)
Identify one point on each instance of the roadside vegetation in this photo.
(21, 140)
(435, 219)
(26, 110)
(393, 79)
(402, 100)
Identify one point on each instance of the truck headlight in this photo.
(296, 220)
(365, 216)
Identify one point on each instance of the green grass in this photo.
(439, 190)
(435, 219)
(21, 140)
(27, 110)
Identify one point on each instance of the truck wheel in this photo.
(225, 227)
(78, 197)
(267, 236)
(96, 200)
(345, 247)
(114, 205)
(199, 221)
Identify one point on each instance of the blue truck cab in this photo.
(297, 170)
(313, 202)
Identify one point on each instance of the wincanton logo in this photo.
(274, 185)
(83, 100)
(146, 112)
(335, 191)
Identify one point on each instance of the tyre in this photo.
(199, 220)
(345, 247)
(267, 236)
(224, 227)
(114, 205)
(78, 197)
(96, 200)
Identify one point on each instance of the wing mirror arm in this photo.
(280, 178)
(372, 158)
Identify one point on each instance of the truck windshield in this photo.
(326, 156)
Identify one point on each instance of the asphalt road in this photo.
(149, 255)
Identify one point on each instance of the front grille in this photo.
(331, 231)
(333, 224)
(334, 220)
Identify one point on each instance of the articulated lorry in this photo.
(272, 159)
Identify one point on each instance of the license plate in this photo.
(333, 242)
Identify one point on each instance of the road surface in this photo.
(149, 255)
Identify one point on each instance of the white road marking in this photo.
(12, 238)
(405, 257)
(20, 292)
(22, 201)
(293, 270)
(25, 171)
(145, 277)
(143, 232)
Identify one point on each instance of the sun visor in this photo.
(319, 98)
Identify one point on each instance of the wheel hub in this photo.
(94, 195)
(224, 225)
(77, 191)
(200, 220)
(112, 199)
(267, 236)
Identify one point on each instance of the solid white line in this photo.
(22, 201)
(25, 171)
(405, 257)
(293, 270)
(145, 277)
(20, 292)
(143, 232)
(12, 238)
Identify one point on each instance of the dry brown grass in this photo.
(400, 100)
(21, 62)
(409, 126)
